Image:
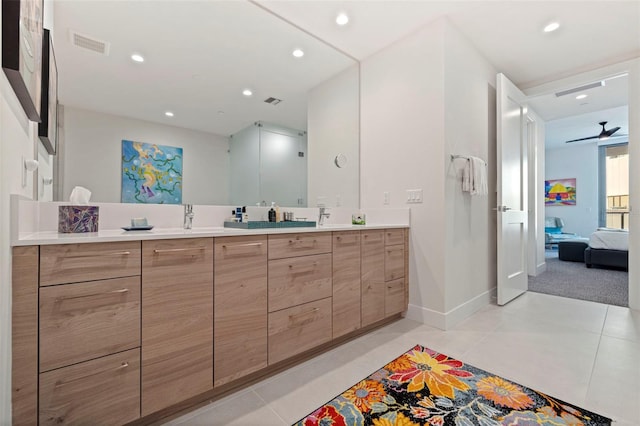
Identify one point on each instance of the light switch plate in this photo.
(414, 196)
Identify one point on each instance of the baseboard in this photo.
(448, 320)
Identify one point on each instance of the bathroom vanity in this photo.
(135, 330)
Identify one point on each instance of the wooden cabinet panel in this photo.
(71, 263)
(103, 391)
(373, 254)
(393, 237)
(177, 321)
(82, 321)
(393, 262)
(298, 280)
(240, 296)
(295, 330)
(346, 282)
(24, 336)
(291, 245)
(394, 297)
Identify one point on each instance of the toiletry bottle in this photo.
(272, 213)
(278, 217)
(245, 215)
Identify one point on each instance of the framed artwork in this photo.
(560, 192)
(22, 51)
(151, 174)
(48, 126)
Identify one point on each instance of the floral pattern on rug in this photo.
(426, 388)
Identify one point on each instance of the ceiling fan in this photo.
(604, 134)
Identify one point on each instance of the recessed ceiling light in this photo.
(298, 53)
(136, 57)
(551, 27)
(168, 114)
(247, 92)
(581, 96)
(342, 19)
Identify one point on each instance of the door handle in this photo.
(501, 208)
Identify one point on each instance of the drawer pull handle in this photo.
(309, 268)
(224, 246)
(312, 311)
(121, 367)
(121, 291)
(178, 250)
(115, 253)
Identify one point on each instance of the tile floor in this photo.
(582, 352)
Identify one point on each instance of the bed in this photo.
(608, 248)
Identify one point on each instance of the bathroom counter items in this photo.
(113, 235)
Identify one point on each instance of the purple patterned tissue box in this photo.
(73, 219)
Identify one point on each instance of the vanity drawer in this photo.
(104, 391)
(82, 321)
(393, 237)
(394, 300)
(291, 245)
(393, 262)
(295, 330)
(70, 263)
(298, 280)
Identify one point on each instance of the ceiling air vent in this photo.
(580, 89)
(273, 101)
(89, 43)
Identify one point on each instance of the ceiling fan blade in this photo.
(611, 131)
(583, 139)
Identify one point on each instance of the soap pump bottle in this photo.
(278, 217)
(272, 213)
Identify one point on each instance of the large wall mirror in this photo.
(279, 143)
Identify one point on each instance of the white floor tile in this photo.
(582, 352)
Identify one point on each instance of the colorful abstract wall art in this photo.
(151, 174)
(560, 192)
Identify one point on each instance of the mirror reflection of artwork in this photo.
(151, 174)
(560, 192)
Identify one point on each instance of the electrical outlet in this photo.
(386, 197)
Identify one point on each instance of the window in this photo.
(614, 186)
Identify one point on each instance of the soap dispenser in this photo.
(272, 213)
(278, 217)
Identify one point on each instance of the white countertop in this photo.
(110, 235)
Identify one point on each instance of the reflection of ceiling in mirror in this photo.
(199, 56)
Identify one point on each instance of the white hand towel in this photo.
(478, 171)
(466, 177)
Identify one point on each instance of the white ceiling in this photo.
(190, 45)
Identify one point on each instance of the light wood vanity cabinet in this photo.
(104, 390)
(300, 289)
(177, 321)
(373, 288)
(240, 311)
(346, 282)
(110, 332)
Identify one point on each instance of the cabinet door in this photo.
(372, 243)
(240, 295)
(104, 391)
(298, 329)
(346, 282)
(394, 297)
(177, 321)
(393, 262)
(298, 280)
(83, 321)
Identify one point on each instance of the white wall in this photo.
(580, 162)
(536, 263)
(470, 129)
(93, 156)
(634, 184)
(17, 139)
(402, 147)
(333, 128)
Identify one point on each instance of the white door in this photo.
(511, 191)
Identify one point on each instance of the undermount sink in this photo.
(335, 225)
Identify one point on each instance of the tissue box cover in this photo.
(73, 219)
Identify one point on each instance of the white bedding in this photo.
(610, 239)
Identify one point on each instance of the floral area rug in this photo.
(424, 387)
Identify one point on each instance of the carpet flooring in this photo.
(424, 387)
(575, 280)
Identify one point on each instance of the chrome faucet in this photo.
(323, 214)
(188, 216)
